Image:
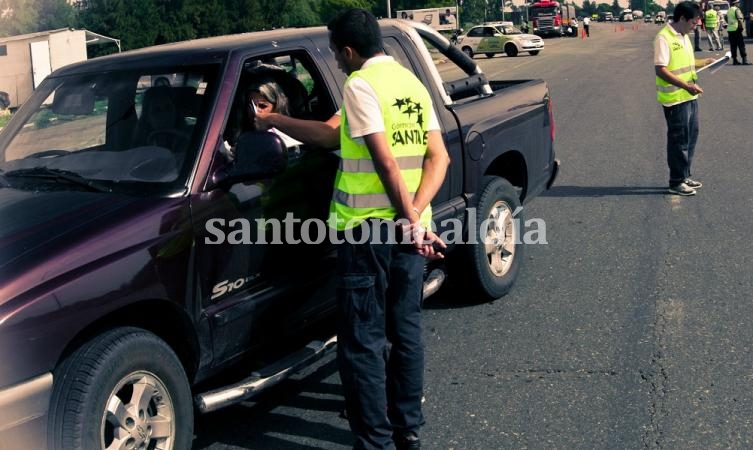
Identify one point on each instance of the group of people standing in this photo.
(714, 22)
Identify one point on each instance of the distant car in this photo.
(660, 17)
(648, 18)
(499, 37)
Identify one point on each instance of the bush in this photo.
(5, 116)
(43, 118)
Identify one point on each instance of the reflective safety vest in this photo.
(405, 104)
(681, 63)
(711, 19)
(732, 21)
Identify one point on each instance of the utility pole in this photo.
(458, 4)
(389, 10)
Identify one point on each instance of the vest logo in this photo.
(408, 131)
(676, 46)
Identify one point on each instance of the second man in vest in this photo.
(712, 23)
(735, 25)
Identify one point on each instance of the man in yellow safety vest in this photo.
(711, 24)
(393, 162)
(676, 90)
(735, 25)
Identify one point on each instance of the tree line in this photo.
(140, 23)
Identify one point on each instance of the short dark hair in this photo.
(358, 29)
(687, 9)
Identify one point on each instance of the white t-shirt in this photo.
(362, 104)
(586, 21)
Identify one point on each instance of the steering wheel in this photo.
(176, 140)
(47, 154)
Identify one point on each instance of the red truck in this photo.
(552, 18)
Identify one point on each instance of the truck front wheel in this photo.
(496, 253)
(511, 50)
(123, 389)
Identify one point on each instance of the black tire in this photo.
(494, 267)
(467, 50)
(534, 52)
(511, 50)
(107, 374)
(489, 55)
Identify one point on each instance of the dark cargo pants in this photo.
(380, 351)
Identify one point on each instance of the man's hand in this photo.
(427, 246)
(264, 120)
(424, 241)
(693, 89)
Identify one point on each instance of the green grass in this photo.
(4, 119)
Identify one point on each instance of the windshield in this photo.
(129, 131)
(543, 11)
(509, 29)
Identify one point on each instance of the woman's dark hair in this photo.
(358, 29)
(272, 92)
(688, 10)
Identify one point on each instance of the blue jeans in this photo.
(379, 303)
(682, 134)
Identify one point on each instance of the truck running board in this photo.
(433, 282)
(264, 378)
(286, 367)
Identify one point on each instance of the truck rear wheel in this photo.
(123, 389)
(496, 254)
(468, 51)
(511, 50)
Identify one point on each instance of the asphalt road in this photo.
(631, 328)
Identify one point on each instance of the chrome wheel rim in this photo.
(140, 415)
(501, 236)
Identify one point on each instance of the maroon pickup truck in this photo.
(140, 278)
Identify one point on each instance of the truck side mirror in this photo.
(258, 155)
